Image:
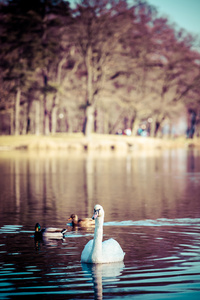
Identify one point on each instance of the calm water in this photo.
(152, 207)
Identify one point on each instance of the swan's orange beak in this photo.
(69, 219)
(95, 215)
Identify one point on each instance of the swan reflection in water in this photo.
(102, 273)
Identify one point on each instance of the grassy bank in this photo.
(97, 142)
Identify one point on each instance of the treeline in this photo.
(97, 65)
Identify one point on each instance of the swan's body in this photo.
(50, 232)
(96, 251)
(86, 222)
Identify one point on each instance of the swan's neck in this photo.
(97, 243)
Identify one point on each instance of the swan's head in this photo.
(98, 211)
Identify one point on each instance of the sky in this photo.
(185, 13)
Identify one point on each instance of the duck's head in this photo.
(98, 211)
(37, 227)
(73, 217)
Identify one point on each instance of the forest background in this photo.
(95, 66)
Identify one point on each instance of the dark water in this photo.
(152, 207)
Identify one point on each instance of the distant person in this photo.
(191, 128)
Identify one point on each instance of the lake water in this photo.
(152, 208)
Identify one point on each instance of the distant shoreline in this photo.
(97, 142)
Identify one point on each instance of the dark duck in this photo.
(49, 232)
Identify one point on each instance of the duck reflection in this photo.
(71, 228)
(101, 273)
(49, 236)
(53, 242)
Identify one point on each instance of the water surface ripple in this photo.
(152, 209)
(162, 268)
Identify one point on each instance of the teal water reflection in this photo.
(152, 209)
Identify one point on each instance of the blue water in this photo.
(162, 261)
(152, 209)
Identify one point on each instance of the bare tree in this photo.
(96, 34)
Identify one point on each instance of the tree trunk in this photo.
(153, 127)
(159, 123)
(54, 119)
(89, 76)
(56, 102)
(134, 125)
(46, 127)
(105, 122)
(46, 124)
(89, 113)
(26, 121)
(54, 114)
(158, 131)
(17, 111)
(45, 112)
(12, 121)
(89, 121)
(37, 118)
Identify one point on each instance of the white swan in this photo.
(96, 251)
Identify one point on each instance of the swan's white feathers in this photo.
(96, 251)
(111, 252)
(87, 251)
